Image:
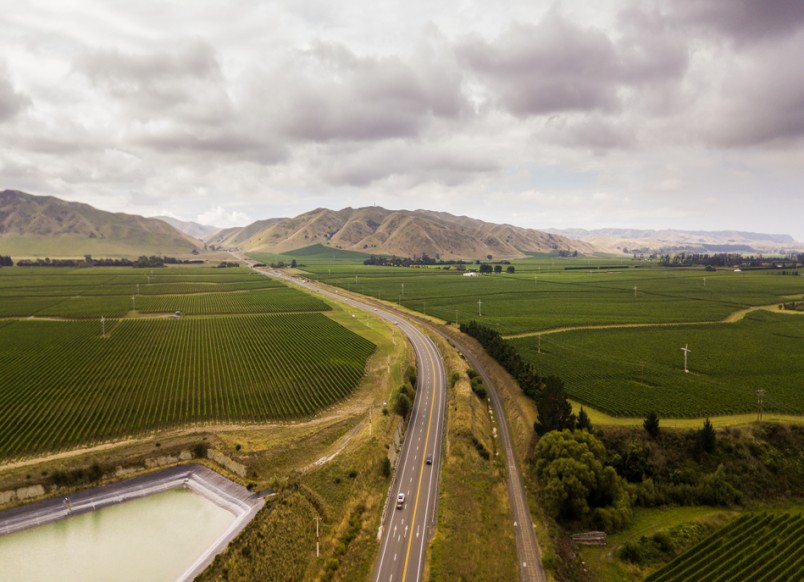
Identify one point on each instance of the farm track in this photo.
(148, 315)
(734, 317)
(185, 431)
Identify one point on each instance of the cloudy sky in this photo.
(686, 114)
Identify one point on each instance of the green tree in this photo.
(498, 269)
(576, 483)
(584, 423)
(402, 405)
(715, 488)
(707, 439)
(554, 410)
(651, 425)
(510, 269)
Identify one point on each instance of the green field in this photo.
(758, 547)
(622, 371)
(65, 384)
(633, 371)
(92, 293)
(527, 302)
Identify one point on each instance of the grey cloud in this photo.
(649, 48)
(740, 20)
(412, 163)
(183, 80)
(762, 101)
(551, 67)
(328, 93)
(593, 132)
(226, 143)
(11, 101)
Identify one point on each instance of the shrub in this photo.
(200, 450)
(478, 387)
(385, 467)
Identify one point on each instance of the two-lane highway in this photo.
(406, 530)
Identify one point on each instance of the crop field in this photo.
(64, 384)
(92, 293)
(758, 547)
(621, 371)
(521, 303)
(633, 371)
(246, 349)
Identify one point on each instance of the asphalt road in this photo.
(529, 556)
(405, 531)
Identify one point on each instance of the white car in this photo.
(400, 501)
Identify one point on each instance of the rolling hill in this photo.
(618, 240)
(375, 230)
(40, 226)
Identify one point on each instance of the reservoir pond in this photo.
(152, 538)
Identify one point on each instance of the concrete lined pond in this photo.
(163, 526)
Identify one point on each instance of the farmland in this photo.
(632, 371)
(72, 379)
(753, 547)
(622, 371)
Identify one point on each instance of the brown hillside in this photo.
(43, 225)
(398, 232)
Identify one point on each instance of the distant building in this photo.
(470, 274)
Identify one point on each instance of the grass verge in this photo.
(474, 511)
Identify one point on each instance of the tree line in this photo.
(555, 411)
(88, 261)
(728, 260)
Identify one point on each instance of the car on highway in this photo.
(429, 459)
(400, 501)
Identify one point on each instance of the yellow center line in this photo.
(421, 470)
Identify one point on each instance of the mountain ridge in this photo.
(33, 225)
(376, 230)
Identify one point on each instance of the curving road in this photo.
(529, 562)
(405, 532)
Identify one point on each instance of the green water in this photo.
(154, 538)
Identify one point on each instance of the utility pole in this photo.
(540, 343)
(103, 326)
(138, 288)
(534, 281)
(403, 289)
(760, 404)
(317, 548)
(479, 308)
(133, 303)
(686, 350)
(635, 290)
(704, 281)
